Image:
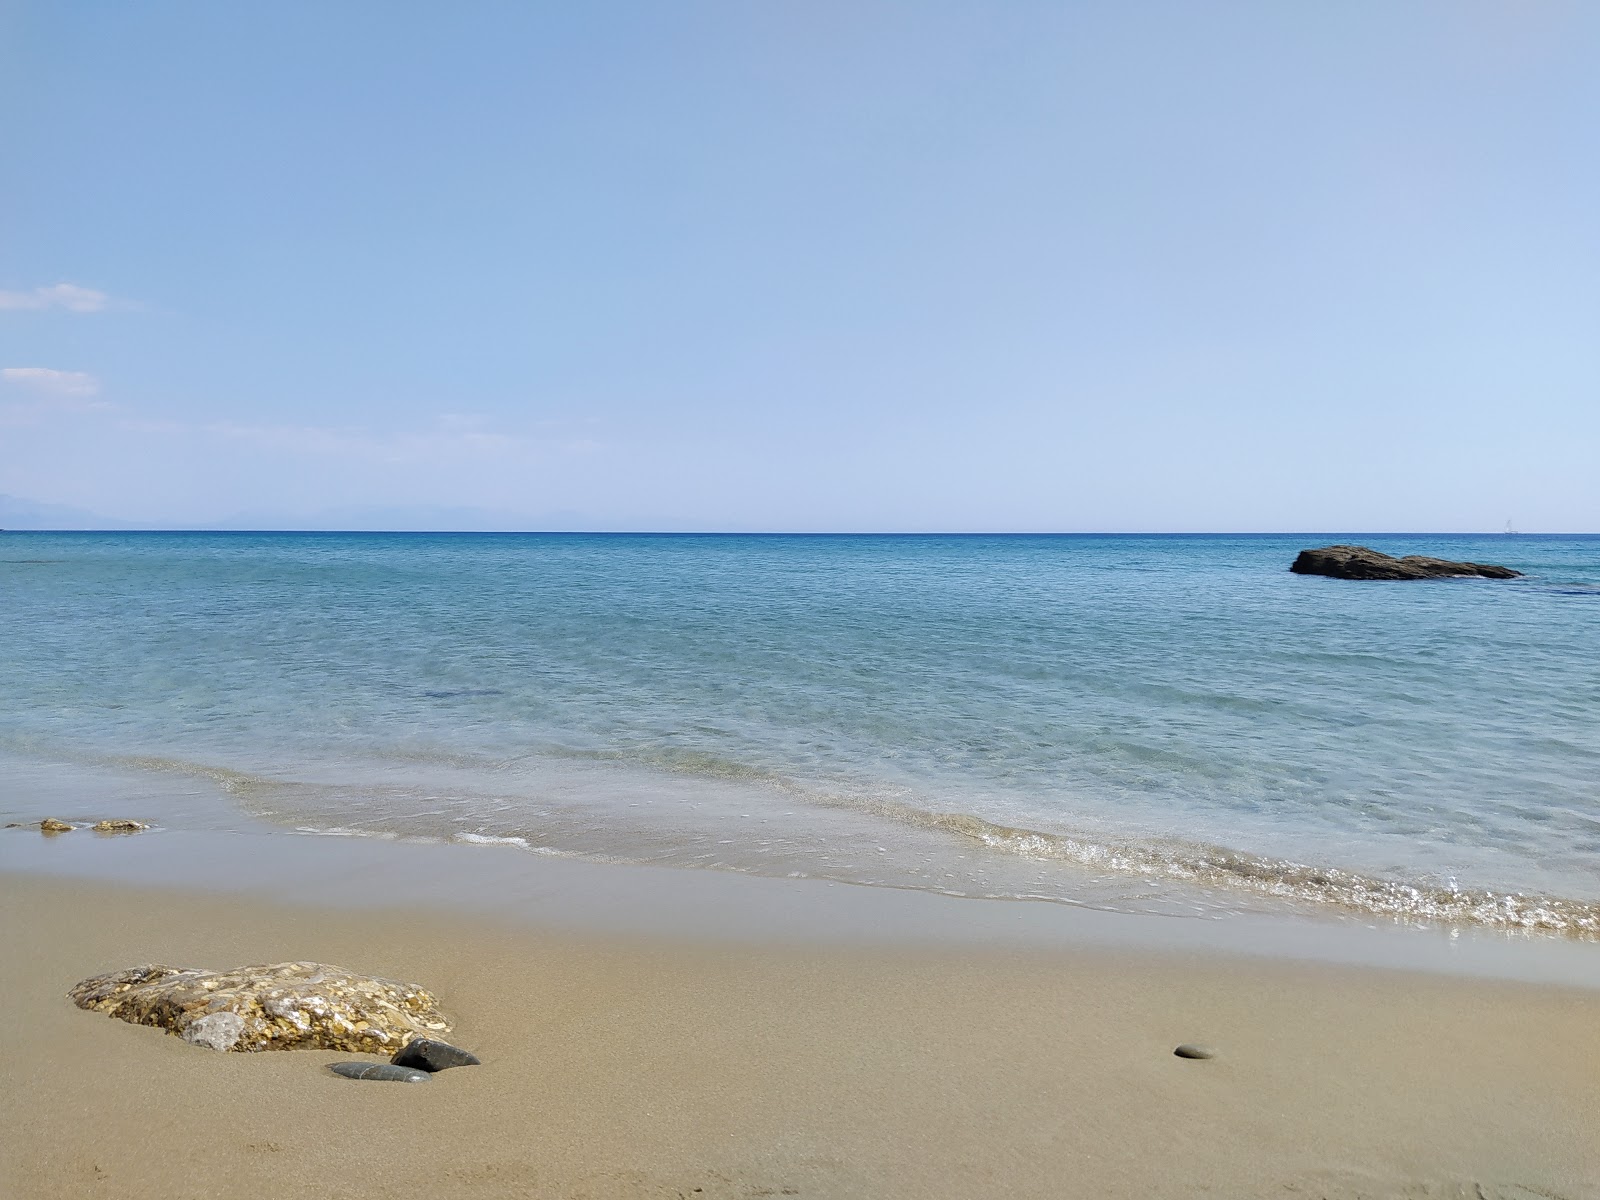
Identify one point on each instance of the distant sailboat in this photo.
(1509, 530)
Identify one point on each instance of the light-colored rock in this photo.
(51, 825)
(215, 1031)
(119, 825)
(282, 1006)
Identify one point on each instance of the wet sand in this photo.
(656, 1065)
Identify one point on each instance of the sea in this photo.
(1152, 724)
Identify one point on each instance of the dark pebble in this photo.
(425, 1054)
(361, 1070)
(1188, 1050)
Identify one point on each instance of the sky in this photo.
(815, 265)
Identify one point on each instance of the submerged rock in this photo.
(425, 1054)
(1359, 562)
(119, 825)
(388, 1071)
(283, 1006)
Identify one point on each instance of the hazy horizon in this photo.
(932, 267)
(19, 516)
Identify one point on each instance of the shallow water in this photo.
(1145, 723)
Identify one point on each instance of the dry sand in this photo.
(651, 1067)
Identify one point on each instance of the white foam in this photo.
(486, 839)
(341, 831)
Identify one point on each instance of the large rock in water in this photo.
(284, 1006)
(1358, 562)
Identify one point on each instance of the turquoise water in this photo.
(1153, 723)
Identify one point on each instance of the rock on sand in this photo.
(283, 1006)
(426, 1054)
(386, 1071)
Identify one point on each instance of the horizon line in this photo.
(196, 529)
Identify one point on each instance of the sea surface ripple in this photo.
(1166, 723)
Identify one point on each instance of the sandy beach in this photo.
(622, 1065)
(854, 601)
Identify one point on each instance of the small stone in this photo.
(361, 1070)
(119, 825)
(51, 825)
(1189, 1050)
(425, 1054)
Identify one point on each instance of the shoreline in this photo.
(525, 891)
(648, 1063)
(205, 840)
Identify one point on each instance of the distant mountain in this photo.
(18, 513)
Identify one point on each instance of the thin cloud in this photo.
(68, 296)
(400, 446)
(78, 384)
(53, 394)
(51, 382)
(454, 438)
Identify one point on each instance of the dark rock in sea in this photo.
(425, 1054)
(1358, 562)
(388, 1071)
(1190, 1050)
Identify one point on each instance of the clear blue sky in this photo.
(805, 265)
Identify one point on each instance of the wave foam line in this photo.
(1208, 866)
(1282, 879)
(486, 839)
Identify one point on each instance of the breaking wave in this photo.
(467, 815)
(1217, 867)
